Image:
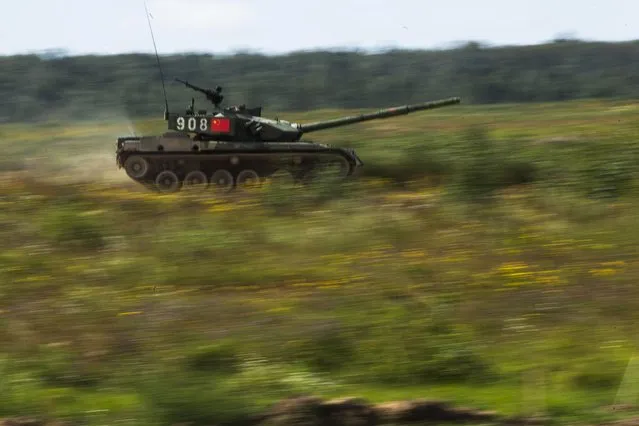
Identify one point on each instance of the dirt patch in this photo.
(357, 412)
(633, 421)
(30, 421)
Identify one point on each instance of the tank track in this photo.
(233, 165)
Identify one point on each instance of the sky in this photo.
(278, 26)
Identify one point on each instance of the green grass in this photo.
(487, 255)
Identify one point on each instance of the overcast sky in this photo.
(274, 26)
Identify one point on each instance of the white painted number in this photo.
(192, 124)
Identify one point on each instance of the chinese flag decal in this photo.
(221, 125)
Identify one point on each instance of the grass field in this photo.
(486, 255)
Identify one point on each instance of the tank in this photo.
(232, 147)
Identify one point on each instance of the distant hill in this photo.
(52, 86)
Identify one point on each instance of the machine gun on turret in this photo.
(215, 97)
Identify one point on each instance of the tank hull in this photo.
(172, 161)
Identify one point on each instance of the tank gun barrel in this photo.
(383, 113)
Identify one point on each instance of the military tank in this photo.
(233, 147)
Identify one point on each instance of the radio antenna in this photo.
(166, 102)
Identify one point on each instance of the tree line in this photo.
(34, 87)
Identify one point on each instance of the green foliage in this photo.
(86, 87)
(219, 357)
(180, 398)
(600, 374)
(608, 173)
(327, 350)
(423, 159)
(17, 392)
(222, 399)
(481, 175)
(486, 165)
(69, 227)
(287, 199)
(11, 166)
(422, 351)
(519, 172)
(118, 305)
(59, 368)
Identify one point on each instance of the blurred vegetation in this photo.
(486, 255)
(50, 87)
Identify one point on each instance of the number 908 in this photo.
(192, 124)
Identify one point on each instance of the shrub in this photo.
(71, 228)
(219, 357)
(329, 349)
(599, 375)
(422, 351)
(183, 398)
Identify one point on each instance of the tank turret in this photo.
(242, 124)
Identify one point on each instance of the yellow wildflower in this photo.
(413, 253)
(278, 309)
(549, 280)
(510, 267)
(124, 314)
(603, 272)
(619, 263)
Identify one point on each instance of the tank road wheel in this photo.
(248, 179)
(196, 180)
(222, 180)
(167, 181)
(136, 167)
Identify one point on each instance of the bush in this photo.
(189, 397)
(517, 172)
(183, 398)
(421, 352)
(69, 227)
(608, 177)
(218, 357)
(59, 368)
(599, 375)
(486, 165)
(330, 349)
